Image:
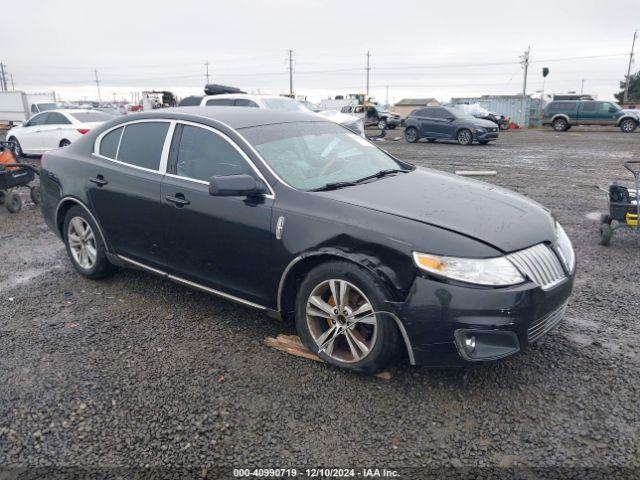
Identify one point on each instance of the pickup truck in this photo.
(374, 115)
(563, 114)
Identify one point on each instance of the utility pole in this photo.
(582, 87)
(3, 78)
(98, 85)
(387, 100)
(525, 64)
(368, 70)
(13, 85)
(625, 98)
(206, 64)
(291, 73)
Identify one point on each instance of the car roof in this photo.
(234, 117)
(245, 95)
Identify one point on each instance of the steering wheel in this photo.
(331, 163)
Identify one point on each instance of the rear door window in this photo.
(589, 107)
(56, 118)
(245, 102)
(203, 154)
(109, 143)
(220, 102)
(141, 144)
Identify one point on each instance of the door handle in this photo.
(99, 181)
(178, 200)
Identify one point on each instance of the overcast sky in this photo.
(418, 48)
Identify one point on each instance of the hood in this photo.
(481, 122)
(498, 217)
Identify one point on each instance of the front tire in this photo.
(411, 135)
(84, 244)
(560, 125)
(382, 124)
(628, 125)
(465, 137)
(335, 317)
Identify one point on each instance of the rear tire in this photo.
(483, 142)
(431, 140)
(464, 137)
(411, 135)
(64, 143)
(18, 149)
(84, 246)
(560, 125)
(13, 202)
(628, 125)
(3, 195)
(374, 340)
(34, 192)
(382, 124)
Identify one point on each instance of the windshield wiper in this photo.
(381, 173)
(333, 186)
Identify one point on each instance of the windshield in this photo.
(87, 117)
(460, 113)
(284, 104)
(310, 155)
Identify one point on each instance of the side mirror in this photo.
(234, 186)
(612, 110)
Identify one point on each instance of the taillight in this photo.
(84, 130)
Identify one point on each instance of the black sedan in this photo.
(449, 123)
(301, 218)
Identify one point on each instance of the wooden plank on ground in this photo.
(293, 345)
(476, 173)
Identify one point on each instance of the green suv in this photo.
(563, 114)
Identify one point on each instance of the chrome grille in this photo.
(543, 326)
(540, 264)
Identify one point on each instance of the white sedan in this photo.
(52, 129)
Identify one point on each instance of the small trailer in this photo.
(17, 106)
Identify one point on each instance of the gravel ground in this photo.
(137, 372)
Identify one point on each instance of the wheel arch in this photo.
(64, 205)
(628, 117)
(305, 262)
(64, 140)
(560, 115)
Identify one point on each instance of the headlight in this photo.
(565, 249)
(497, 271)
(480, 130)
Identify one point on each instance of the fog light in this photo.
(470, 343)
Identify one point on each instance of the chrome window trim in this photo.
(234, 145)
(193, 284)
(163, 156)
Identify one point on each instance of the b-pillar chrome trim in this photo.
(192, 284)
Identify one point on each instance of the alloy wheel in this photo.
(82, 242)
(341, 321)
(628, 126)
(411, 135)
(464, 137)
